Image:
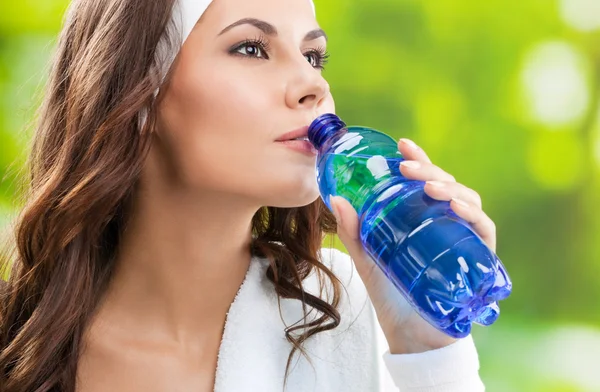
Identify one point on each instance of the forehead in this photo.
(290, 14)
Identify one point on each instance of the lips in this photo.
(297, 134)
(303, 146)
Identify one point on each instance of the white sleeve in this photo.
(454, 368)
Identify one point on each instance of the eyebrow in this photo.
(269, 29)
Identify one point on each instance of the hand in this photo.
(405, 330)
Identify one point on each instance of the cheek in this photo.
(219, 132)
(213, 124)
(225, 101)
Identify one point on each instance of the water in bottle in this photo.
(435, 258)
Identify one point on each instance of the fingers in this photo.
(448, 190)
(410, 151)
(481, 223)
(440, 185)
(424, 171)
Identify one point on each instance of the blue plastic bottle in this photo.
(436, 260)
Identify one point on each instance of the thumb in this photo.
(383, 293)
(347, 219)
(349, 234)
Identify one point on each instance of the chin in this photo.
(293, 199)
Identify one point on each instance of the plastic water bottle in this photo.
(436, 260)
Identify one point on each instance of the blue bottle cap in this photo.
(324, 127)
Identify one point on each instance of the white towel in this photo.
(254, 350)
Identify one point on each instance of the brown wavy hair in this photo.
(87, 153)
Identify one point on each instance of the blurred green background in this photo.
(504, 94)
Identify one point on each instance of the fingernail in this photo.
(410, 143)
(411, 164)
(460, 202)
(437, 184)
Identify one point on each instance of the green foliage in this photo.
(450, 75)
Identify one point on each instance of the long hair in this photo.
(87, 153)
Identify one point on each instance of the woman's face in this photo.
(249, 72)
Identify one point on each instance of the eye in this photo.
(251, 50)
(318, 58)
(255, 48)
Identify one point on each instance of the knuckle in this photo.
(477, 198)
(492, 226)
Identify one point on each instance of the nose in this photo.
(306, 87)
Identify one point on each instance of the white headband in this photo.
(186, 14)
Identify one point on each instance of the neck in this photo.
(181, 262)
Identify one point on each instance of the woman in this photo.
(172, 241)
